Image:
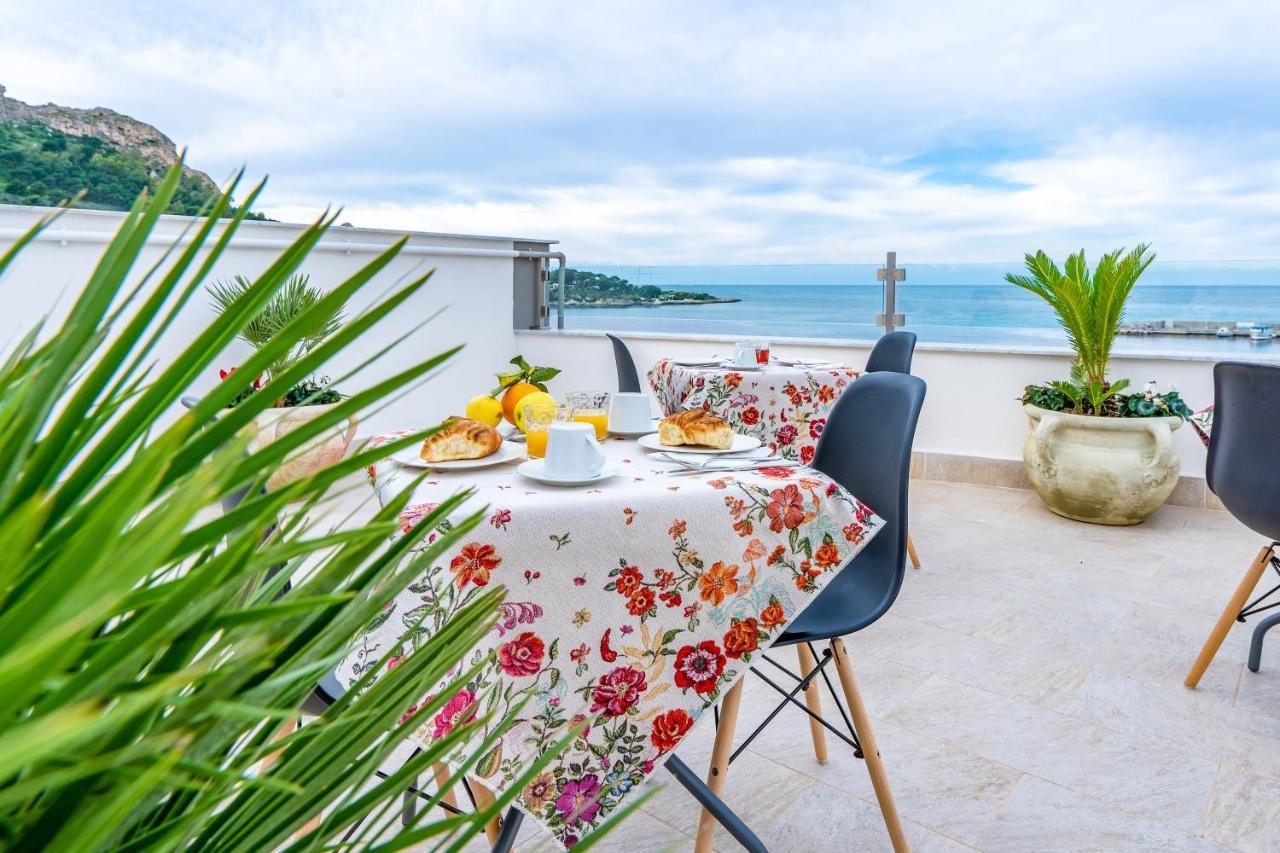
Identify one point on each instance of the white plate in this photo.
(741, 368)
(740, 443)
(696, 362)
(533, 469)
(506, 452)
(812, 365)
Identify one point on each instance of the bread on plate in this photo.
(695, 427)
(460, 438)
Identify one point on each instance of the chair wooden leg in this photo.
(813, 699)
(911, 552)
(485, 799)
(441, 771)
(719, 763)
(1236, 603)
(871, 754)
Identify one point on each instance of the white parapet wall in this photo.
(468, 300)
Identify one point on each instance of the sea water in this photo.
(984, 314)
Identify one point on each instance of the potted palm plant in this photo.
(297, 404)
(1097, 452)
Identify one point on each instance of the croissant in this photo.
(695, 426)
(461, 438)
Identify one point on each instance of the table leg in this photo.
(719, 763)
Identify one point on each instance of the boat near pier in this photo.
(1254, 331)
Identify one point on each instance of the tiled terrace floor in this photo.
(1027, 694)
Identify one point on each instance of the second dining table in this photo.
(633, 605)
(783, 405)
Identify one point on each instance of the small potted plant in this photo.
(1096, 453)
(301, 403)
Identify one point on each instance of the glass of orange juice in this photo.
(538, 419)
(590, 407)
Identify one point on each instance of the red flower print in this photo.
(827, 555)
(785, 509)
(742, 637)
(775, 472)
(806, 454)
(772, 616)
(521, 656)
(461, 709)
(618, 691)
(671, 598)
(776, 556)
(669, 727)
(832, 488)
(751, 416)
(816, 427)
(692, 610)
(630, 514)
(640, 602)
(786, 434)
(717, 582)
(474, 564)
(580, 581)
(579, 654)
(826, 394)
(852, 531)
(628, 581)
(733, 380)
(699, 667)
(744, 527)
(500, 518)
(666, 579)
(607, 654)
(677, 528)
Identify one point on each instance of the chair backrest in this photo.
(892, 353)
(866, 448)
(1243, 468)
(628, 378)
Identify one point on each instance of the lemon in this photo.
(537, 399)
(486, 409)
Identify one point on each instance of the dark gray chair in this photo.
(893, 354)
(866, 448)
(1243, 470)
(628, 376)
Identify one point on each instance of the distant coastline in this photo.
(650, 303)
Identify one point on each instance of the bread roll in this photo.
(697, 427)
(461, 438)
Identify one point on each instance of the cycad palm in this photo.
(1090, 307)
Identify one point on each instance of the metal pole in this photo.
(891, 274)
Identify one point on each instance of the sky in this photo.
(710, 132)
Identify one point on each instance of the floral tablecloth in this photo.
(784, 407)
(632, 606)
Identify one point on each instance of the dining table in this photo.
(633, 604)
(785, 405)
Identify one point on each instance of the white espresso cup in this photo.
(572, 452)
(629, 411)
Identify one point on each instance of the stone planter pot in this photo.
(323, 451)
(1101, 470)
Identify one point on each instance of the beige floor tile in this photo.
(1245, 813)
(1129, 771)
(1041, 816)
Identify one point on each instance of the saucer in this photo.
(534, 470)
(635, 433)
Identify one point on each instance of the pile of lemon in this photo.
(492, 411)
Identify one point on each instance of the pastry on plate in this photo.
(695, 427)
(460, 438)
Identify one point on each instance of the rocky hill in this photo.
(48, 153)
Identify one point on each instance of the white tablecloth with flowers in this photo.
(632, 605)
(784, 407)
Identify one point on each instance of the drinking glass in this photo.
(762, 352)
(590, 407)
(538, 419)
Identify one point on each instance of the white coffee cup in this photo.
(629, 411)
(572, 452)
(744, 354)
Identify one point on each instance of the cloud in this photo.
(715, 132)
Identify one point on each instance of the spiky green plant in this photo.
(294, 299)
(1089, 305)
(152, 651)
